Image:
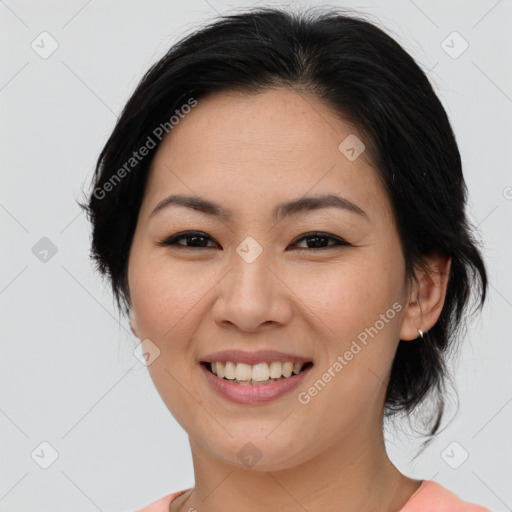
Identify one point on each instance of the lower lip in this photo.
(255, 394)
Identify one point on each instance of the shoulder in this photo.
(161, 505)
(433, 497)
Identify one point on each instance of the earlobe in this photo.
(427, 298)
(412, 321)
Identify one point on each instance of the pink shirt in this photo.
(429, 497)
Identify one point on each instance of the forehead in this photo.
(270, 146)
(279, 120)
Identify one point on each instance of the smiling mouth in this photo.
(257, 374)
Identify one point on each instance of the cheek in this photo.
(166, 304)
(345, 297)
(165, 296)
(350, 307)
(344, 306)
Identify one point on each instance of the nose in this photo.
(252, 297)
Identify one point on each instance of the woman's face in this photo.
(250, 282)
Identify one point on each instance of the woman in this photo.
(281, 211)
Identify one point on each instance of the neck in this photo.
(355, 475)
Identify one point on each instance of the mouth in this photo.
(259, 374)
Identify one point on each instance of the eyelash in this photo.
(169, 241)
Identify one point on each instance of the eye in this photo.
(319, 238)
(199, 239)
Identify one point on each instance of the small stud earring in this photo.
(421, 332)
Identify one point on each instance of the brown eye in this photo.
(318, 240)
(197, 240)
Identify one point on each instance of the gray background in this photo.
(68, 375)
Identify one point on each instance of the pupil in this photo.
(317, 238)
(195, 237)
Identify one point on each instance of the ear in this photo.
(427, 297)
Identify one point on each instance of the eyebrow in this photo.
(297, 206)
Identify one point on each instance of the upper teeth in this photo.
(256, 372)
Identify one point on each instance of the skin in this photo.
(248, 153)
